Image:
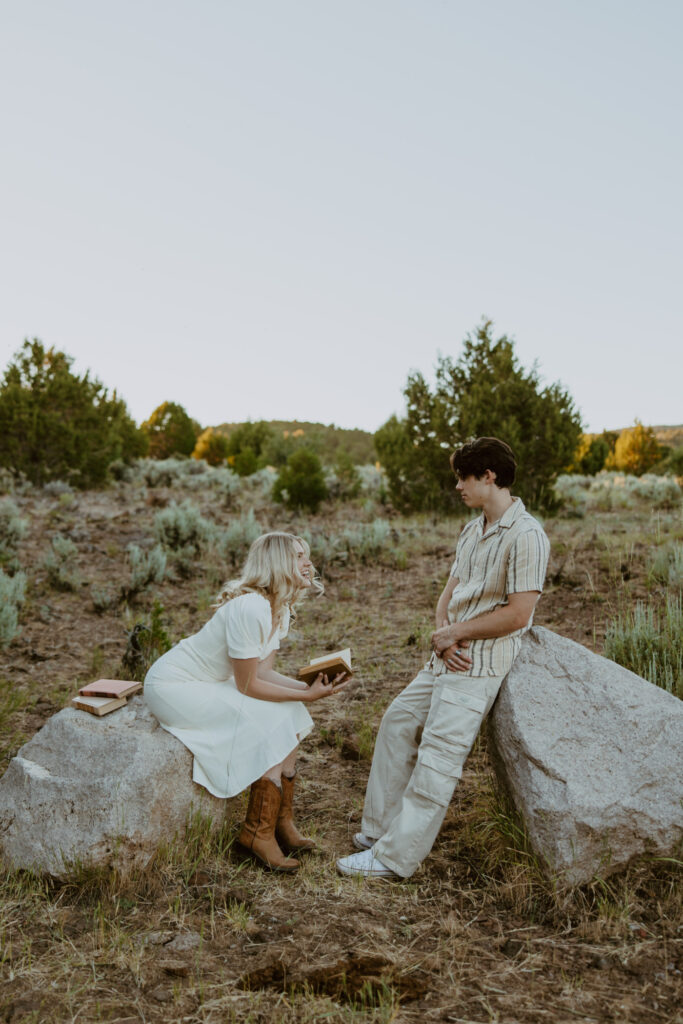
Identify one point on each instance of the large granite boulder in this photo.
(591, 756)
(97, 791)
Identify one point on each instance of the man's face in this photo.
(473, 491)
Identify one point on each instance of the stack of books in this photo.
(105, 695)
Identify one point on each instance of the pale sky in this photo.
(278, 208)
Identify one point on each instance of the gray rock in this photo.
(185, 941)
(96, 792)
(591, 756)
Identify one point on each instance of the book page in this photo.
(344, 655)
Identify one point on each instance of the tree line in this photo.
(56, 424)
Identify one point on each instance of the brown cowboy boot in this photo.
(286, 831)
(258, 830)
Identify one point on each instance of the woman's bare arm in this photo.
(266, 671)
(249, 679)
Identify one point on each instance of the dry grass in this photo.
(478, 935)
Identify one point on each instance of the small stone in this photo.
(178, 968)
(157, 938)
(184, 941)
(162, 994)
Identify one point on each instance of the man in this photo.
(485, 608)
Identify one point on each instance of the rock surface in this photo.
(97, 791)
(591, 756)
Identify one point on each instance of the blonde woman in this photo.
(218, 692)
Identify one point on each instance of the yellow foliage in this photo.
(636, 450)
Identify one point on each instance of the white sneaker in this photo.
(366, 864)
(362, 842)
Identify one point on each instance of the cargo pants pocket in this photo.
(435, 777)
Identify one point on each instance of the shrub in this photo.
(212, 446)
(12, 529)
(650, 643)
(666, 566)
(236, 540)
(183, 528)
(104, 598)
(610, 491)
(301, 483)
(60, 563)
(344, 481)
(145, 568)
(147, 641)
(637, 450)
(12, 590)
(247, 444)
(368, 540)
(592, 453)
(170, 431)
(55, 424)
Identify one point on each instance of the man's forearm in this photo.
(500, 622)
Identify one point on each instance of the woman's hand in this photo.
(321, 687)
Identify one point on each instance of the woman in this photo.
(218, 693)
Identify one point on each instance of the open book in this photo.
(331, 664)
(110, 688)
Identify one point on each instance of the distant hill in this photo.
(670, 436)
(327, 441)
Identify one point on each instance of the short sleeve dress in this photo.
(191, 690)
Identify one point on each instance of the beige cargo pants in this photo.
(413, 777)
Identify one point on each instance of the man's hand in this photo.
(455, 659)
(444, 637)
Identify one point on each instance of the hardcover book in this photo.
(98, 705)
(110, 688)
(331, 664)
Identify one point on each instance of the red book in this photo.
(110, 688)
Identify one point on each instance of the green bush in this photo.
(484, 393)
(57, 425)
(60, 563)
(650, 643)
(246, 446)
(170, 431)
(12, 590)
(344, 481)
(12, 529)
(301, 483)
(147, 641)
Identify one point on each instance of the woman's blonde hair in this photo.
(270, 570)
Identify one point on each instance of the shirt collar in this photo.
(508, 518)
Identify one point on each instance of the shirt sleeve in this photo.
(528, 562)
(458, 549)
(248, 625)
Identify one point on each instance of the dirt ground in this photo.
(478, 935)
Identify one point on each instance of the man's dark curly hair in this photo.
(475, 457)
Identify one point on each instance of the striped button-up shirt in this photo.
(511, 557)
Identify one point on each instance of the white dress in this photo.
(191, 689)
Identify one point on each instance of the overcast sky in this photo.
(277, 208)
